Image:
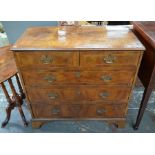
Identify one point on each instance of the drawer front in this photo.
(47, 59)
(47, 78)
(109, 59)
(78, 93)
(78, 110)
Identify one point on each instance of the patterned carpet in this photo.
(147, 125)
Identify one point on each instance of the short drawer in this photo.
(46, 59)
(64, 94)
(47, 78)
(78, 111)
(109, 58)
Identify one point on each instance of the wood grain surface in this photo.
(77, 38)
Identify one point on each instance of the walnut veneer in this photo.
(78, 72)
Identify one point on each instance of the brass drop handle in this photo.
(106, 78)
(104, 95)
(52, 95)
(100, 111)
(110, 59)
(50, 79)
(55, 110)
(45, 59)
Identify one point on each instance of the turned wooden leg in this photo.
(36, 124)
(18, 101)
(20, 87)
(10, 106)
(146, 96)
(22, 115)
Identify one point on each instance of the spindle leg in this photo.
(11, 105)
(18, 101)
(20, 87)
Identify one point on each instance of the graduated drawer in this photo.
(44, 59)
(109, 58)
(47, 78)
(63, 94)
(78, 111)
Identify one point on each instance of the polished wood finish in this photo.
(78, 111)
(6, 60)
(118, 58)
(79, 93)
(88, 73)
(145, 31)
(48, 59)
(48, 77)
(8, 69)
(76, 38)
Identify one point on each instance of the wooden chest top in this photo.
(77, 38)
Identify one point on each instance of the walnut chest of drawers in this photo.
(78, 72)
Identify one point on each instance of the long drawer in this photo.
(78, 110)
(64, 94)
(47, 78)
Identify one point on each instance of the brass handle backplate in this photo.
(100, 111)
(50, 79)
(45, 59)
(104, 95)
(56, 110)
(106, 78)
(52, 95)
(109, 59)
